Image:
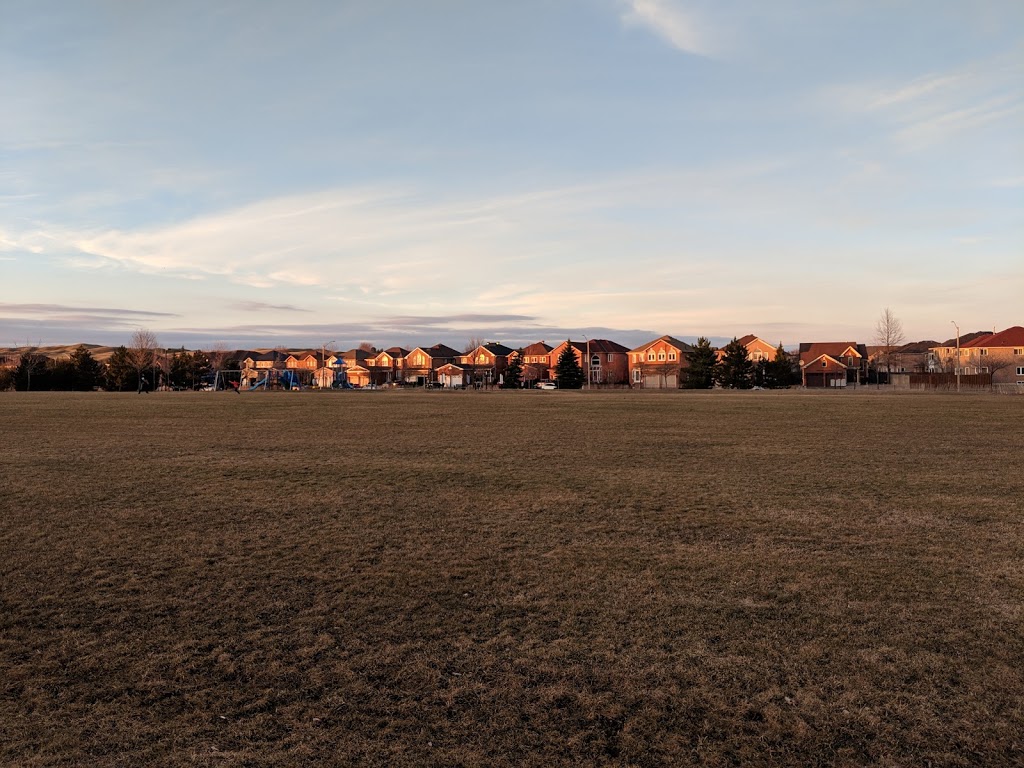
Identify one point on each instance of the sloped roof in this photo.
(682, 346)
(441, 350)
(537, 348)
(597, 345)
(965, 339)
(498, 349)
(834, 349)
(1011, 337)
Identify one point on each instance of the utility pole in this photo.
(957, 354)
(323, 359)
(586, 362)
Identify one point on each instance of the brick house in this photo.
(833, 363)
(386, 367)
(421, 364)
(608, 363)
(485, 364)
(757, 349)
(536, 362)
(1001, 354)
(658, 364)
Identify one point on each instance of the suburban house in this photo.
(304, 361)
(608, 362)
(757, 349)
(833, 363)
(386, 367)
(914, 357)
(1000, 354)
(658, 364)
(485, 364)
(421, 364)
(536, 362)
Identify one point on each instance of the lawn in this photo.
(505, 579)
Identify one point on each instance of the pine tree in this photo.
(120, 370)
(87, 371)
(780, 370)
(514, 372)
(700, 373)
(735, 371)
(568, 372)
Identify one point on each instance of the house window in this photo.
(650, 356)
(595, 361)
(984, 369)
(757, 356)
(824, 364)
(1020, 370)
(1018, 352)
(671, 355)
(983, 352)
(636, 375)
(661, 355)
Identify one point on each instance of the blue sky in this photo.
(409, 172)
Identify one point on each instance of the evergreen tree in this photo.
(735, 371)
(60, 375)
(87, 371)
(700, 373)
(763, 374)
(568, 372)
(514, 372)
(121, 371)
(181, 369)
(201, 367)
(779, 371)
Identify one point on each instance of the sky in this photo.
(419, 171)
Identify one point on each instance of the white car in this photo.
(547, 385)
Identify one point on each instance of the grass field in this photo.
(502, 579)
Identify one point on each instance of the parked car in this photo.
(547, 385)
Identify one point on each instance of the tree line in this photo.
(128, 369)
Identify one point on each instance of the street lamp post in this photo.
(587, 361)
(957, 354)
(323, 358)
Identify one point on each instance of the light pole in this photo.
(587, 361)
(323, 358)
(957, 354)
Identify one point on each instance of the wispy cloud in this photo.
(63, 309)
(262, 306)
(929, 110)
(680, 26)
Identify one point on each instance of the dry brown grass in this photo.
(511, 579)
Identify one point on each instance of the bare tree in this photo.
(888, 336)
(473, 343)
(366, 346)
(994, 363)
(142, 350)
(217, 354)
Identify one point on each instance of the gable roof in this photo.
(825, 357)
(682, 346)
(834, 349)
(438, 351)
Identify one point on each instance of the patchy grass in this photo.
(511, 579)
